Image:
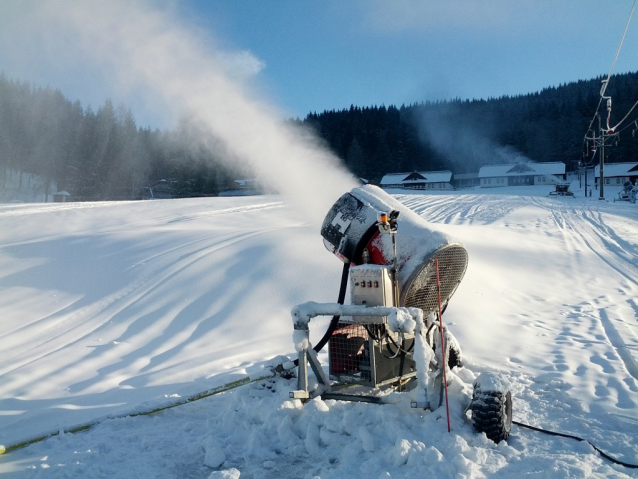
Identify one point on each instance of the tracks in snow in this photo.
(587, 225)
(49, 208)
(135, 293)
(586, 228)
(458, 209)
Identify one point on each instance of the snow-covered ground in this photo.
(114, 308)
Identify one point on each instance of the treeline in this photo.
(463, 135)
(103, 155)
(96, 155)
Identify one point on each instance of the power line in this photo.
(625, 117)
(608, 131)
(613, 64)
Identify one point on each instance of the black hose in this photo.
(335, 319)
(570, 436)
(399, 349)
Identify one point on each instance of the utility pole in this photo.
(602, 161)
(585, 181)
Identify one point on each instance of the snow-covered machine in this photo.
(629, 193)
(353, 232)
(401, 274)
(561, 189)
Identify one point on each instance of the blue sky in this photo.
(330, 54)
(310, 56)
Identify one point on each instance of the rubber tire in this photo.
(492, 414)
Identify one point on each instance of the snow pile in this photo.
(400, 321)
(256, 431)
(214, 454)
(231, 473)
(300, 340)
(491, 382)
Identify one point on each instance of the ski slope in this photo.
(114, 308)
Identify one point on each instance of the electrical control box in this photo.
(371, 285)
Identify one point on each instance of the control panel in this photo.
(371, 285)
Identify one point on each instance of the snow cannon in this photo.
(390, 335)
(350, 231)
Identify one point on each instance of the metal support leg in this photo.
(317, 369)
(302, 377)
(302, 365)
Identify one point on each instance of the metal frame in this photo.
(374, 368)
(306, 355)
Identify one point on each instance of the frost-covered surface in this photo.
(494, 382)
(426, 368)
(300, 340)
(401, 321)
(453, 345)
(116, 307)
(417, 239)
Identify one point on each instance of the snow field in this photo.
(112, 308)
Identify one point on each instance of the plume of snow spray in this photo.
(142, 47)
(457, 138)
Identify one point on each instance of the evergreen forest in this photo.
(98, 155)
(463, 135)
(104, 155)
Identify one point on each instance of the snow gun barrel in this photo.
(350, 231)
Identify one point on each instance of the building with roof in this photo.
(61, 196)
(162, 190)
(246, 187)
(419, 180)
(465, 180)
(616, 174)
(522, 174)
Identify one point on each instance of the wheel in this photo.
(492, 412)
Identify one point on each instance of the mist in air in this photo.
(149, 50)
(466, 142)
